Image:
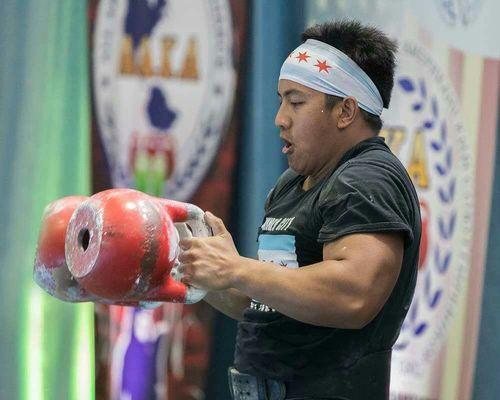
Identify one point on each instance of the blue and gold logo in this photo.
(164, 85)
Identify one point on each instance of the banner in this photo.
(164, 85)
(442, 125)
(46, 345)
(423, 127)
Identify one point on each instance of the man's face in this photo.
(307, 126)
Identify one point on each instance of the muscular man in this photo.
(322, 307)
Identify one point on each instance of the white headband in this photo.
(326, 69)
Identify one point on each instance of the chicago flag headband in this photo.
(326, 69)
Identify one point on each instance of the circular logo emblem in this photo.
(164, 84)
(459, 12)
(423, 128)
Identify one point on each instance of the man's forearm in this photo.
(345, 290)
(307, 294)
(230, 302)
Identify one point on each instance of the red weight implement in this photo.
(122, 245)
(50, 271)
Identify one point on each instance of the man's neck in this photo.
(327, 169)
(312, 180)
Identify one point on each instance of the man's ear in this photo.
(348, 110)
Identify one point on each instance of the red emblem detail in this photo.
(322, 66)
(153, 150)
(302, 56)
(424, 243)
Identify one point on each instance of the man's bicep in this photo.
(372, 262)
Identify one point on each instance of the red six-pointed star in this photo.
(323, 66)
(303, 56)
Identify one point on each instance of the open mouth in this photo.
(287, 148)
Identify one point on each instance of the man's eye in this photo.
(296, 103)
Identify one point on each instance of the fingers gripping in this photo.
(215, 223)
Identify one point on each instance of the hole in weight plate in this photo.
(84, 238)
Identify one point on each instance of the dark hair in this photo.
(368, 47)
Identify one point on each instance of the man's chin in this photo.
(295, 168)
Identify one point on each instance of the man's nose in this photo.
(281, 120)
